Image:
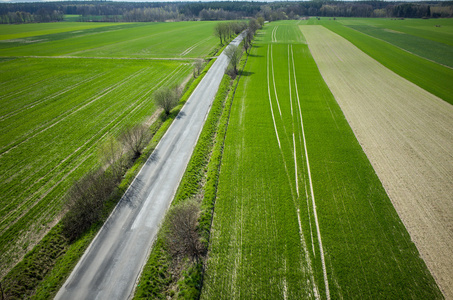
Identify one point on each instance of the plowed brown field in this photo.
(407, 134)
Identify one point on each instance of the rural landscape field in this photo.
(66, 88)
(301, 212)
(332, 175)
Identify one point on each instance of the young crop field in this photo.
(406, 133)
(134, 40)
(429, 75)
(439, 30)
(300, 212)
(437, 43)
(56, 112)
(9, 32)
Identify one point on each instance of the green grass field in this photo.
(125, 40)
(56, 112)
(300, 212)
(434, 77)
(437, 41)
(438, 30)
(11, 32)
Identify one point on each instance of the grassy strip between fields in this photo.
(45, 268)
(161, 278)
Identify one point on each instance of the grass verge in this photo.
(161, 277)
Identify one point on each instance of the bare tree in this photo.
(260, 21)
(198, 66)
(135, 138)
(219, 31)
(112, 156)
(180, 228)
(253, 26)
(234, 54)
(246, 43)
(167, 98)
(85, 202)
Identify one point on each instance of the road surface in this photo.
(112, 263)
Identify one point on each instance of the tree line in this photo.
(13, 13)
(87, 198)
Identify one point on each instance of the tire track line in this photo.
(292, 117)
(188, 50)
(273, 79)
(274, 34)
(270, 102)
(305, 256)
(318, 231)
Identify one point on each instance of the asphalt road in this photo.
(112, 263)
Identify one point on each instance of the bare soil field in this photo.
(407, 134)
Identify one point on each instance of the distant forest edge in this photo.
(101, 11)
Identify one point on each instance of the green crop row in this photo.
(430, 76)
(266, 237)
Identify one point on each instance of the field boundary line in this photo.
(324, 271)
(100, 57)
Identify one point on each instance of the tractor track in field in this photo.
(312, 194)
(293, 144)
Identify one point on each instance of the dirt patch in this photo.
(407, 134)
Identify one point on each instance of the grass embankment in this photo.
(44, 269)
(162, 277)
(428, 75)
(300, 212)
